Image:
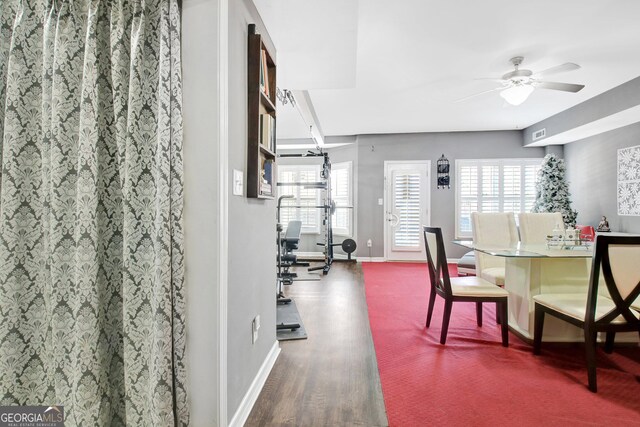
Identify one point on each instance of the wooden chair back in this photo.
(437, 260)
(616, 260)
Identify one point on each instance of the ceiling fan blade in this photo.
(493, 79)
(479, 93)
(569, 66)
(565, 87)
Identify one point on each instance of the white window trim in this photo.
(316, 168)
(479, 163)
(345, 232)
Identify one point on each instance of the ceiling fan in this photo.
(518, 84)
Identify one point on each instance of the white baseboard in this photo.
(241, 415)
(371, 259)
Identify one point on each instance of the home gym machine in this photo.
(328, 208)
(286, 246)
(286, 259)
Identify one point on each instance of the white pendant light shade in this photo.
(516, 95)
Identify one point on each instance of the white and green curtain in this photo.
(92, 312)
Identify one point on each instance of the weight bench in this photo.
(289, 243)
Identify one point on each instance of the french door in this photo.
(407, 209)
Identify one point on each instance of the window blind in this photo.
(406, 194)
(341, 178)
(310, 216)
(500, 185)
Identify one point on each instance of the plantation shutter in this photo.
(530, 176)
(490, 190)
(310, 216)
(468, 196)
(512, 188)
(308, 197)
(503, 185)
(406, 195)
(341, 194)
(286, 214)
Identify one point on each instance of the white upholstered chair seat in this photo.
(494, 275)
(575, 305)
(475, 287)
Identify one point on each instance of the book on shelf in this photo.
(265, 176)
(264, 73)
(262, 79)
(267, 167)
(267, 131)
(265, 189)
(264, 129)
(272, 134)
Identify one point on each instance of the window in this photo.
(310, 216)
(503, 185)
(341, 192)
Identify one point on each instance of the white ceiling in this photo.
(380, 66)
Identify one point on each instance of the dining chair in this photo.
(493, 229)
(615, 261)
(535, 227)
(459, 289)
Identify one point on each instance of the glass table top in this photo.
(530, 251)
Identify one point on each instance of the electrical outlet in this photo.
(369, 243)
(255, 326)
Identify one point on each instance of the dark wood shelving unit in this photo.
(261, 130)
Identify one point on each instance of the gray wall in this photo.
(591, 171)
(252, 230)
(558, 150)
(610, 102)
(373, 150)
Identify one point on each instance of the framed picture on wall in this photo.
(629, 181)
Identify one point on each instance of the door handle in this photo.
(392, 217)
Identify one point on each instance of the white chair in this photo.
(493, 229)
(615, 262)
(535, 227)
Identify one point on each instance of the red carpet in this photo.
(473, 380)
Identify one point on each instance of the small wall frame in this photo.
(443, 170)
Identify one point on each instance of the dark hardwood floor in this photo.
(331, 378)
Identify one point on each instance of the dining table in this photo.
(532, 269)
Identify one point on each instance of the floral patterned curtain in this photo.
(91, 247)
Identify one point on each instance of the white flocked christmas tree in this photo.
(552, 190)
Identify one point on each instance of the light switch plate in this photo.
(238, 184)
(380, 202)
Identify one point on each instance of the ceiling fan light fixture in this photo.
(516, 95)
